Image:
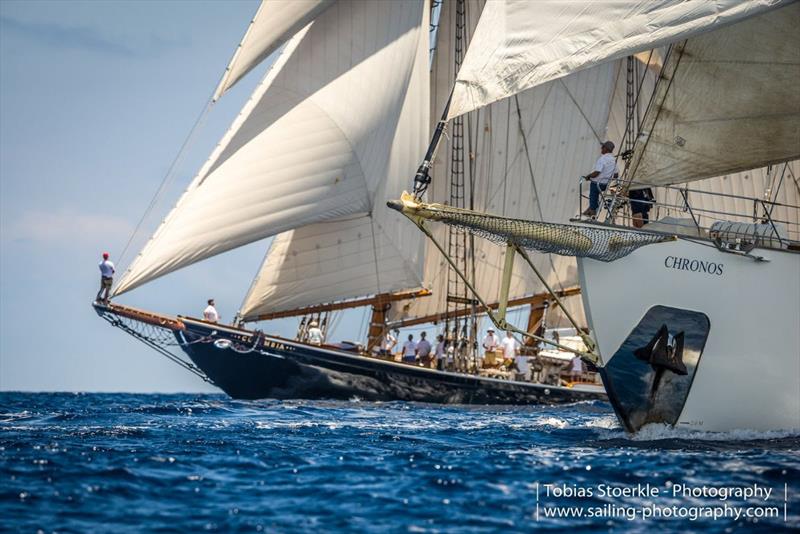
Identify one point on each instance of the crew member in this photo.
(510, 348)
(576, 368)
(106, 278)
(210, 313)
(424, 350)
(440, 352)
(604, 170)
(315, 336)
(490, 343)
(641, 202)
(387, 344)
(410, 350)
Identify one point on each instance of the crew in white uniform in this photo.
(210, 313)
(106, 278)
(315, 336)
(604, 170)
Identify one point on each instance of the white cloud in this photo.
(66, 226)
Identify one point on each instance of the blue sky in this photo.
(96, 99)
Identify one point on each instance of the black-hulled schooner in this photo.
(337, 126)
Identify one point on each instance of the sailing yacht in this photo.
(694, 317)
(334, 129)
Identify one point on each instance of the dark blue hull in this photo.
(249, 365)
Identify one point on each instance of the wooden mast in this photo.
(383, 298)
(533, 300)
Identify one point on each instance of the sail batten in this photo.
(315, 142)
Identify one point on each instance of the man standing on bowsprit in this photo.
(106, 278)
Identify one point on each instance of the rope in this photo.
(168, 177)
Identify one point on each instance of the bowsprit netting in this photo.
(602, 244)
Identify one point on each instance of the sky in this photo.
(96, 100)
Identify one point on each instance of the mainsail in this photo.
(315, 142)
(520, 44)
(731, 102)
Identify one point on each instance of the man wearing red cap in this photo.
(106, 277)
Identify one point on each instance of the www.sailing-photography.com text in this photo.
(672, 500)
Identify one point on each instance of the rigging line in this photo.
(533, 184)
(169, 175)
(580, 109)
(375, 254)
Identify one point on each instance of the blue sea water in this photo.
(131, 463)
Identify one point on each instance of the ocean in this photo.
(180, 463)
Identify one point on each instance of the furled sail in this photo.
(731, 102)
(362, 254)
(313, 144)
(273, 24)
(520, 44)
(563, 122)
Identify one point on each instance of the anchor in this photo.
(663, 356)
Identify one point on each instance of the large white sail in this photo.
(520, 44)
(275, 22)
(731, 104)
(563, 122)
(359, 255)
(312, 145)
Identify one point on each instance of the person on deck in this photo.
(641, 201)
(576, 369)
(106, 278)
(490, 343)
(440, 352)
(315, 336)
(410, 350)
(387, 344)
(510, 348)
(604, 170)
(424, 350)
(210, 313)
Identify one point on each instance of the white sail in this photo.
(732, 103)
(520, 44)
(312, 145)
(273, 24)
(360, 255)
(563, 121)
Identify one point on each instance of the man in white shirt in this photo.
(440, 352)
(424, 350)
(210, 313)
(604, 170)
(387, 344)
(490, 343)
(106, 278)
(410, 350)
(576, 368)
(510, 347)
(315, 336)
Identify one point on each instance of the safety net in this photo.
(603, 244)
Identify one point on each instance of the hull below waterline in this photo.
(698, 338)
(276, 368)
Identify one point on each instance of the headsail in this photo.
(273, 24)
(520, 44)
(359, 255)
(313, 144)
